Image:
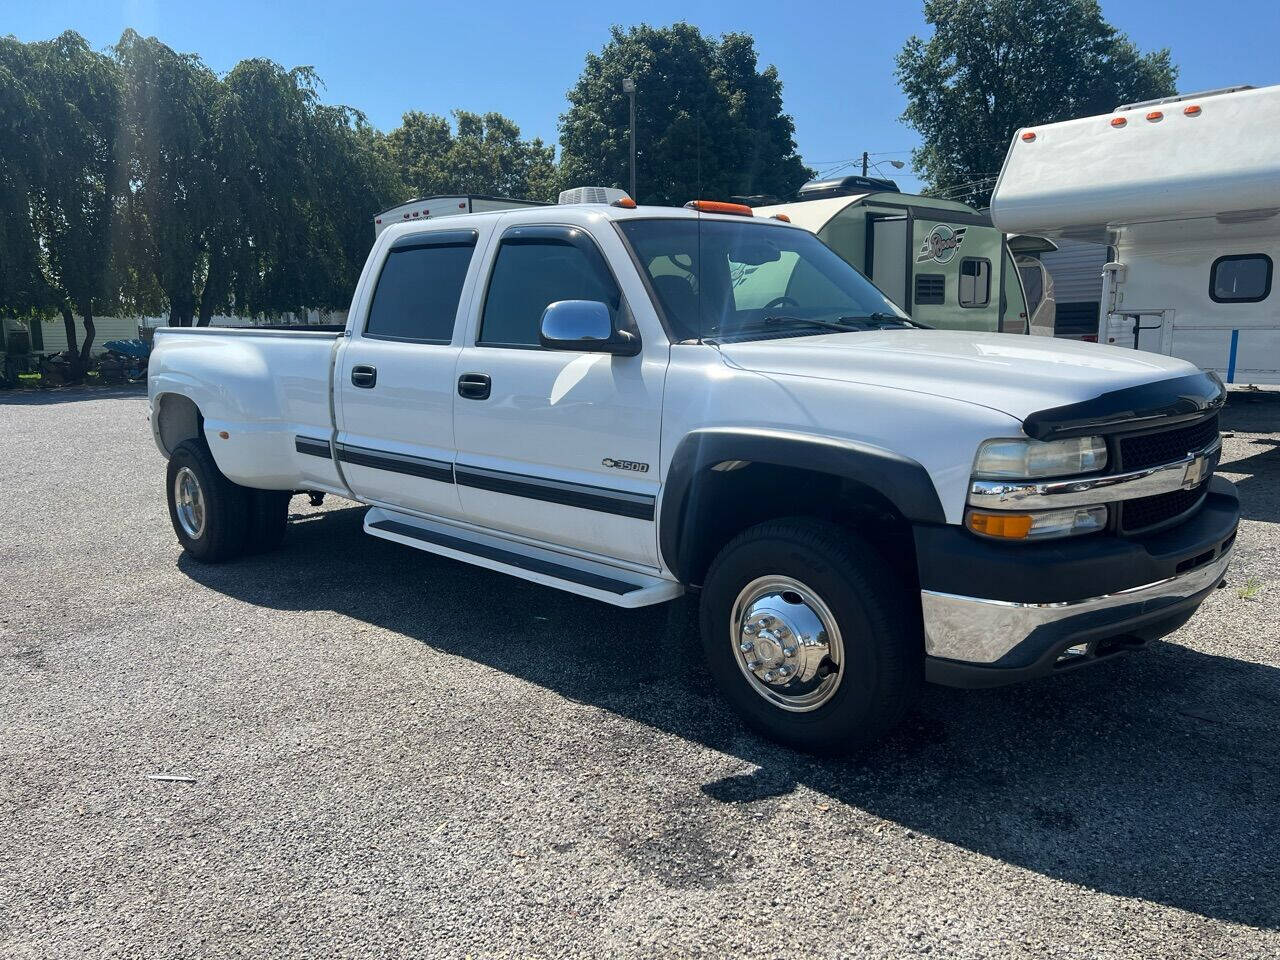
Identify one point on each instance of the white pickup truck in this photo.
(630, 402)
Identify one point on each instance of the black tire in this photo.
(883, 647)
(225, 504)
(268, 519)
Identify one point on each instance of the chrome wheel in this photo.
(188, 499)
(787, 643)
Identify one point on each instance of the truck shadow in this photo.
(1156, 776)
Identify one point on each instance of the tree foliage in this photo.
(73, 202)
(992, 66)
(709, 122)
(484, 154)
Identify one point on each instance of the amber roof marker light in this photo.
(1192, 111)
(1029, 136)
(1118, 121)
(1155, 116)
(718, 206)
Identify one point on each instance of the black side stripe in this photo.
(396, 463)
(311, 446)
(532, 564)
(621, 503)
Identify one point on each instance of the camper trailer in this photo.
(427, 208)
(1186, 190)
(939, 260)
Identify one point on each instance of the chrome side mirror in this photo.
(584, 325)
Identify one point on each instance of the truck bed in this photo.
(258, 389)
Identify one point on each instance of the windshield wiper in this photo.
(882, 318)
(842, 324)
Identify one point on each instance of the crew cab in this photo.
(628, 403)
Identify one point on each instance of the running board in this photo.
(587, 578)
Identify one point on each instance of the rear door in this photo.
(395, 379)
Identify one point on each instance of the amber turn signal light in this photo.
(1010, 526)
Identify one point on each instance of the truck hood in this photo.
(1017, 375)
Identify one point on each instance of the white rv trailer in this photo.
(940, 260)
(1187, 192)
(425, 208)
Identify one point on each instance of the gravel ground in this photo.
(397, 755)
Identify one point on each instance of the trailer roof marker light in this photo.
(718, 206)
(1029, 136)
(1192, 111)
(1118, 121)
(1155, 116)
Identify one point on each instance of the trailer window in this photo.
(1242, 278)
(416, 298)
(975, 282)
(931, 289)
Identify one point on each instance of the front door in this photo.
(557, 445)
(395, 377)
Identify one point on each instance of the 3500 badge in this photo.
(625, 465)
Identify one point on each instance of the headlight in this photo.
(1037, 525)
(1026, 459)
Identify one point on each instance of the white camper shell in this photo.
(1187, 192)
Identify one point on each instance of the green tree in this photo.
(22, 170)
(992, 66)
(353, 180)
(173, 179)
(75, 208)
(709, 122)
(485, 154)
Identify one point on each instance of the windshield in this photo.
(720, 280)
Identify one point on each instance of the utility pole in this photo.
(864, 162)
(629, 88)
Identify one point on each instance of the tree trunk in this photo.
(89, 332)
(213, 294)
(69, 324)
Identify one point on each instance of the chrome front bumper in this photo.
(998, 635)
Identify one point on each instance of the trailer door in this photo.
(887, 256)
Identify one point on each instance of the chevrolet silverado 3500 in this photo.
(630, 402)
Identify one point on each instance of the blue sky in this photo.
(519, 58)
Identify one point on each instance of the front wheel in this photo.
(209, 513)
(809, 637)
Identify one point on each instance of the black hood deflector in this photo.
(1146, 405)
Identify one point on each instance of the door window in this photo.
(975, 282)
(1244, 278)
(532, 272)
(416, 298)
